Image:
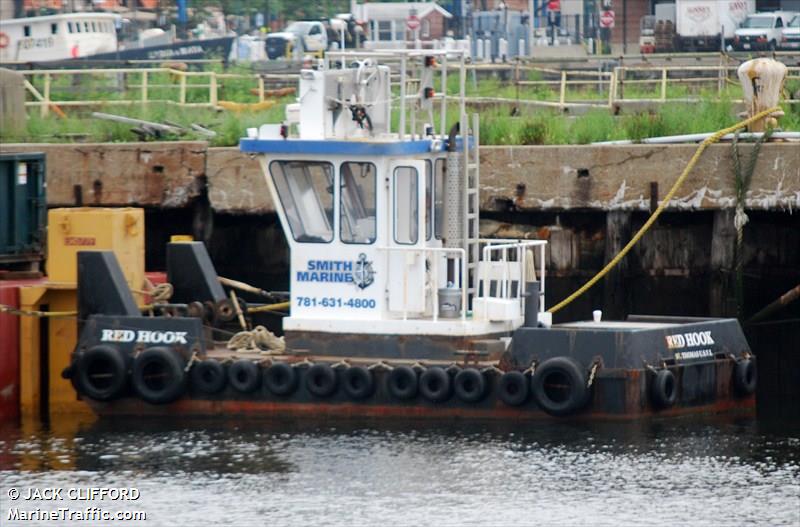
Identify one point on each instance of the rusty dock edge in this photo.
(617, 395)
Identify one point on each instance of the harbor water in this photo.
(700, 471)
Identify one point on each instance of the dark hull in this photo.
(615, 395)
(189, 50)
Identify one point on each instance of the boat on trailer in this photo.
(398, 307)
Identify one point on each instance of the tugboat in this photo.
(398, 308)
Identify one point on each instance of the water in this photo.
(732, 471)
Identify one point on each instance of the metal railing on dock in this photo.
(129, 86)
(533, 85)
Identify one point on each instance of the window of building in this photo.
(357, 194)
(406, 206)
(305, 189)
(400, 29)
(384, 30)
(425, 28)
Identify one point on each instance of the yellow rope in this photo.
(27, 313)
(653, 217)
(270, 307)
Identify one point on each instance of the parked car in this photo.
(790, 36)
(761, 31)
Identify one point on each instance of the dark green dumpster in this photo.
(22, 209)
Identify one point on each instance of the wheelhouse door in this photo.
(406, 283)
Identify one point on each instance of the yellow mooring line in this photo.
(654, 216)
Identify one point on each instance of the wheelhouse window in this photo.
(428, 199)
(305, 189)
(69, 27)
(53, 29)
(406, 206)
(438, 197)
(26, 30)
(357, 194)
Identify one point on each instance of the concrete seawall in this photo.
(172, 174)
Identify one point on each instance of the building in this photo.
(388, 21)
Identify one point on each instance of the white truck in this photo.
(298, 39)
(700, 24)
(762, 31)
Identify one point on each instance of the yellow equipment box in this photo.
(88, 228)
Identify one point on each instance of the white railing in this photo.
(434, 282)
(404, 63)
(502, 249)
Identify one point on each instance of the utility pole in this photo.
(531, 8)
(624, 27)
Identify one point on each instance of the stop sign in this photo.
(412, 22)
(607, 19)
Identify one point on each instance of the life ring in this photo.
(4, 40)
(402, 383)
(435, 385)
(208, 376)
(744, 377)
(102, 373)
(281, 379)
(358, 382)
(321, 380)
(158, 375)
(244, 376)
(559, 386)
(663, 391)
(513, 388)
(469, 385)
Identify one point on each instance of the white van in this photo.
(790, 36)
(761, 31)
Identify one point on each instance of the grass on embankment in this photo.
(82, 127)
(498, 127)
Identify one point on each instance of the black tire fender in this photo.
(402, 383)
(358, 382)
(280, 379)
(321, 380)
(664, 389)
(513, 388)
(101, 373)
(559, 386)
(208, 376)
(435, 385)
(244, 376)
(745, 377)
(469, 385)
(158, 375)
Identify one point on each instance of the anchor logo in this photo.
(363, 274)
